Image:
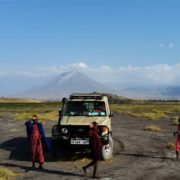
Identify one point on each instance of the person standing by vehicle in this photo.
(37, 140)
(177, 134)
(96, 150)
(100, 107)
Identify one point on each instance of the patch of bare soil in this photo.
(138, 154)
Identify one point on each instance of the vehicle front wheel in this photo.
(107, 150)
(54, 148)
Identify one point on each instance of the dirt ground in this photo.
(138, 154)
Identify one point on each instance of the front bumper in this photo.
(77, 135)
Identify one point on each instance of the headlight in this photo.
(64, 130)
(104, 129)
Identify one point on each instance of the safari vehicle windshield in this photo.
(84, 108)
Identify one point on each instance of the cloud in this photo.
(161, 45)
(160, 74)
(104, 67)
(2, 73)
(41, 71)
(80, 65)
(135, 50)
(171, 45)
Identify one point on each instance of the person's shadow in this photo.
(19, 149)
(48, 171)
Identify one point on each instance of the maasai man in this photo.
(37, 140)
(177, 134)
(96, 150)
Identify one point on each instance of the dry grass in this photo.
(6, 173)
(152, 128)
(170, 145)
(12, 100)
(174, 120)
(149, 111)
(80, 161)
(25, 110)
(52, 115)
(150, 115)
(13, 130)
(49, 110)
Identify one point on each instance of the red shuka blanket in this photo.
(36, 145)
(96, 145)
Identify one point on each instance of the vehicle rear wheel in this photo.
(107, 150)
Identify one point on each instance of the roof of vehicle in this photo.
(87, 96)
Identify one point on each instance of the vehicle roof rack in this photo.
(86, 96)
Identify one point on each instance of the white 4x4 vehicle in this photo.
(75, 117)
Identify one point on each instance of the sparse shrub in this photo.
(6, 173)
(152, 128)
(174, 120)
(170, 145)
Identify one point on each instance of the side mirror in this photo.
(64, 100)
(111, 114)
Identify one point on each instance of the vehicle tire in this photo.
(54, 148)
(107, 150)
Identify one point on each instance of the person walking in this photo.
(177, 134)
(37, 139)
(96, 150)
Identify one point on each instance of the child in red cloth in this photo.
(177, 134)
(96, 150)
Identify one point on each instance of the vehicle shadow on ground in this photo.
(19, 149)
(48, 171)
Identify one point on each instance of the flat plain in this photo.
(142, 133)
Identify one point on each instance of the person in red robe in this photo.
(96, 150)
(177, 134)
(34, 137)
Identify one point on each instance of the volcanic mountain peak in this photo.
(70, 78)
(66, 84)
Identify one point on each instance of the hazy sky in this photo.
(118, 37)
